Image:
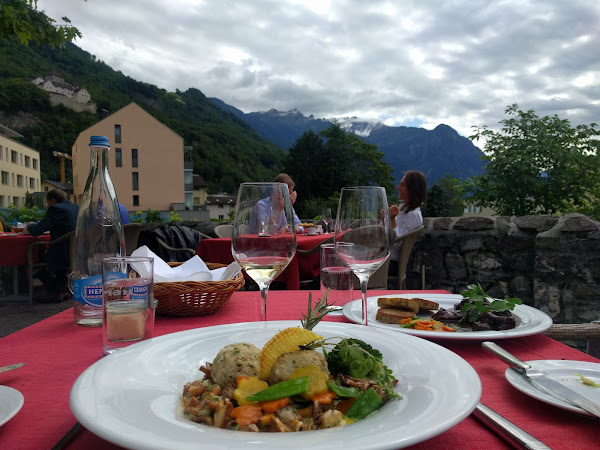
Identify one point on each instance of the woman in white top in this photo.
(407, 217)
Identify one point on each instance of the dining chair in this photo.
(34, 264)
(132, 234)
(589, 332)
(408, 241)
(224, 230)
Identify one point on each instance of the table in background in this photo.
(56, 352)
(13, 252)
(302, 267)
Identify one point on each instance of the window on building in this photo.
(5, 177)
(136, 200)
(27, 161)
(117, 134)
(46, 188)
(134, 157)
(2, 201)
(35, 164)
(20, 181)
(16, 201)
(14, 157)
(21, 158)
(32, 183)
(119, 157)
(135, 181)
(221, 216)
(221, 206)
(1, 153)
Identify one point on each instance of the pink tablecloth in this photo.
(300, 268)
(56, 352)
(13, 249)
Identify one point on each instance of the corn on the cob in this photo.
(286, 341)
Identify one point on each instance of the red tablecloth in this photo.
(56, 352)
(13, 249)
(303, 267)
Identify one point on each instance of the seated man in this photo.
(60, 219)
(270, 210)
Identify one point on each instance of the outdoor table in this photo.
(13, 252)
(56, 351)
(302, 267)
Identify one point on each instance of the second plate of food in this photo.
(529, 321)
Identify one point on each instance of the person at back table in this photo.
(60, 219)
(124, 214)
(268, 206)
(412, 190)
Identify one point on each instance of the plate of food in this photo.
(207, 388)
(11, 402)
(438, 316)
(582, 377)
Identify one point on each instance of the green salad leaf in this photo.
(476, 303)
(359, 360)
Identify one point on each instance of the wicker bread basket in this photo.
(195, 298)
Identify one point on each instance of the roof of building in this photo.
(199, 182)
(58, 185)
(223, 199)
(9, 133)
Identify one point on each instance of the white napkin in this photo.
(193, 269)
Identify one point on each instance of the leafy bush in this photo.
(15, 214)
(154, 216)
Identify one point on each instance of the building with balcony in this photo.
(146, 161)
(19, 169)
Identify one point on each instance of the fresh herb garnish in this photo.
(478, 302)
(314, 315)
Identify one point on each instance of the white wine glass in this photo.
(263, 239)
(363, 235)
(326, 217)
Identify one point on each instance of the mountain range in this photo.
(229, 146)
(434, 152)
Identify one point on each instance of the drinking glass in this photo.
(263, 239)
(363, 234)
(336, 278)
(326, 216)
(127, 301)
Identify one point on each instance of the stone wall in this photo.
(549, 262)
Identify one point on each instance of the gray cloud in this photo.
(459, 62)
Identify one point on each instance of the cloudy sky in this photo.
(409, 62)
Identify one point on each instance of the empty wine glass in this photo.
(263, 239)
(363, 235)
(326, 217)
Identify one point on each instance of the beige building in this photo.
(19, 169)
(146, 161)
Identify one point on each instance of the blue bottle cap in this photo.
(99, 141)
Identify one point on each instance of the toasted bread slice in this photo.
(427, 304)
(409, 304)
(393, 315)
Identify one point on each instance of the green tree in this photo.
(21, 19)
(321, 164)
(444, 199)
(537, 166)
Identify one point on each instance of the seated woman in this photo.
(412, 190)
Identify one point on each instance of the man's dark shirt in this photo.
(60, 219)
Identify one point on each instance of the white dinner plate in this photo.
(131, 397)
(563, 372)
(529, 320)
(11, 401)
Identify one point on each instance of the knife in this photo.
(511, 433)
(541, 381)
(11, 367)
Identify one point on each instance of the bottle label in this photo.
(88, 290)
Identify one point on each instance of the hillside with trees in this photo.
(226, 149)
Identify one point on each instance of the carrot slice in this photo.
(445, 328)
(274, 405)
(403, 321)
(246, 414)
(324, 398)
